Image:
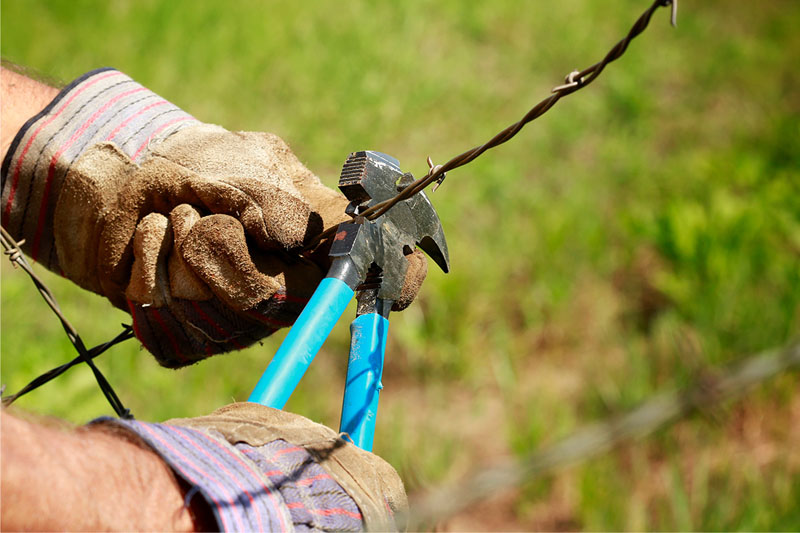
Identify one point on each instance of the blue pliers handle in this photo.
(304, 340)
(368, 256)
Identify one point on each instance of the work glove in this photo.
(194, 230)
(319, 481)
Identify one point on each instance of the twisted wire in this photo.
(574, 82)
(14, 253)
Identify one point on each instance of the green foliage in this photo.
(643, 229)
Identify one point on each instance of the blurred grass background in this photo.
(641, 231)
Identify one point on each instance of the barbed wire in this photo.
(433, 506)
(710, 390)
(574, 81)
(12, 249)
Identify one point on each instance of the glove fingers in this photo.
(240, 175)
(216, 250)
(415, 275)
(272, 215)
(151, 244)
(152, 188)
(236, 299)
(252, 177)
(183, 282)
(198, 285)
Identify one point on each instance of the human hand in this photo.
(172, 246)
(193, 229)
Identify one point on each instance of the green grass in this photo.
(643, 229)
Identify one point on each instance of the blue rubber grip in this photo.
(302, 343)
(364, 369)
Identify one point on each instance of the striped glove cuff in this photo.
(103, 105)
(272, 487)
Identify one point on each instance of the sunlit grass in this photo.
(643, 229)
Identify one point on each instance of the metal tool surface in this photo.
(369, 257)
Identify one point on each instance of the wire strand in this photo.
(14, 252)
(575, 81)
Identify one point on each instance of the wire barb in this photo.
(576, 80)
(569, 82)
(673, 18)
(433, 168)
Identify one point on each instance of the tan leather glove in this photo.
(285, 469)
(373, 483)
(195, 230)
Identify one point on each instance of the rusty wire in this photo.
(14, 253)
(575, 81)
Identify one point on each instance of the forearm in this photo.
(20, 98)
(84, 479)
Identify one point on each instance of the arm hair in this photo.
(57, 478)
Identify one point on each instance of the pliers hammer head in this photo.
(368, 178)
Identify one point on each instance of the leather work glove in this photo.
(295, 472)
(194, 230)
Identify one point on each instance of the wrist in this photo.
(60, 478)
(23, 98)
